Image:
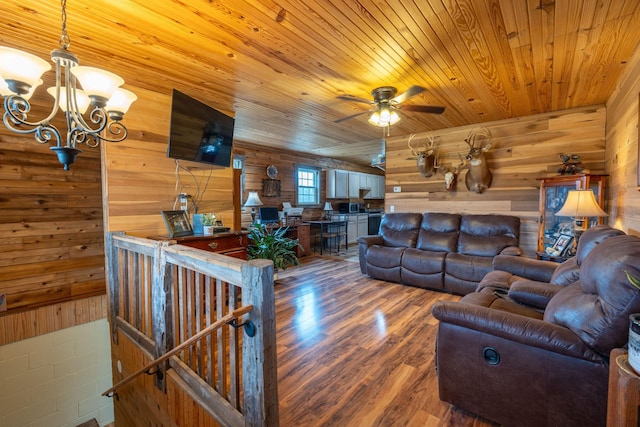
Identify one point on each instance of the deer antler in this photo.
(414, 152)
(426, 148)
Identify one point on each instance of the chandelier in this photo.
(20, 75)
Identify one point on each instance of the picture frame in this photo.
(562, 243)
(177, 223)
(271, 187)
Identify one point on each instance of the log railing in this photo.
(162, 295)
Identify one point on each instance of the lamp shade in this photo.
(327, 206)
(581, 203)
(21, 70)
(253, 200)
(5, 91)
(97, 82)
(121, 100)
(82, 99)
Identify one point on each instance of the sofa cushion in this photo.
(423, 268)
(384, 256)
(597, 307)
(488, 235)
(439, 232)
(400, 229)
(468, 268)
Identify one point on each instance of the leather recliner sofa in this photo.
(533, 282)
(520, 366)
(439, 251)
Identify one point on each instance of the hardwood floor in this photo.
(353, 351)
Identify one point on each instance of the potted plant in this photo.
(208, 220)
(272, 244)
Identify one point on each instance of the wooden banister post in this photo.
(113, 285)
(162, 307)
(259, 353)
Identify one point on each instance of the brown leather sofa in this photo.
(520, 366)
(439, 251)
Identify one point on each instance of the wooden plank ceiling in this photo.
(279, 66)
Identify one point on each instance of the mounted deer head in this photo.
(425, 158)
(450, 173)
(478, 177)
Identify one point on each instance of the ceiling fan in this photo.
(386, 103)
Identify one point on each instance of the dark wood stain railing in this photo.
(176, 304)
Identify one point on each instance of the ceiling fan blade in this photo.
(350, 117)
(354, 99)
(422, 108)
(412, 91)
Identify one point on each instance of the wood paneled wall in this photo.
(621, 157)
(257, 159)
(51, 232)
(523, 150)
(141, 181)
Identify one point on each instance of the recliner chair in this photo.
(518, 366)
(534, 282)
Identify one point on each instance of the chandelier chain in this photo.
(64, 40)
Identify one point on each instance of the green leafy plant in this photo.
(633, 279)
(208, 219)
(274, 245)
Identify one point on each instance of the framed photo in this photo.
(563, 242)
(177, 223)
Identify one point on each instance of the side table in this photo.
(624, 391)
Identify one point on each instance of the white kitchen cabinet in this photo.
(343, 184)
(376, 185)
(363, 225)
(337, 184)
(354, 185)
(352, 228)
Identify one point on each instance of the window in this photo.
(308, 179)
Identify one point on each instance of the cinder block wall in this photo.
(57, 379)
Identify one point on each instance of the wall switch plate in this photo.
(392, 208)
(397, 189)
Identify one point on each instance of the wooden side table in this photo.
(230, 243)
(624, 391)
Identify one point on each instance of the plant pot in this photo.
(207, 230)
(634, 342)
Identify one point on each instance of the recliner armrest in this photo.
(532, 269)
(511, 251)
(521, 329)
(370, 240)
(532, 293)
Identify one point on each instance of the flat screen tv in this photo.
(198, 132)
(268, 215)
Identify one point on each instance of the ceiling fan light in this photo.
(385, 117)
(374, 119)
(394, 118)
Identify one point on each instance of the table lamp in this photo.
(252, 202)
(327, 208)
(580, 204)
